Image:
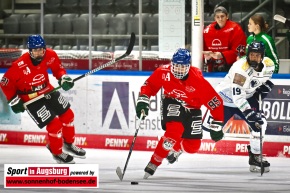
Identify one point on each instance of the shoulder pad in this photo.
(268, 62)
(245, 66)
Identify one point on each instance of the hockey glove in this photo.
(16, 105)
(142, 106)
(216, 130)
(66, 82)
(254, 119)
(264, 89)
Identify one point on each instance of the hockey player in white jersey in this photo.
(248, 78)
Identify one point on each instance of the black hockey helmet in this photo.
(257, 47)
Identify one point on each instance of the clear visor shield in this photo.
(179, 70)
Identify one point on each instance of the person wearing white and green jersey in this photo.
(258, 27)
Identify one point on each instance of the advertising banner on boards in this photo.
(104, 108)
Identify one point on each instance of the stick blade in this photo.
(262, 170)
(279, 18)
(119, 173)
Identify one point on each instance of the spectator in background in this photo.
(258, 27)
(224, 40)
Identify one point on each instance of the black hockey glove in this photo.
(264, 89)
(16, 105)
(142, 106)
(216, 130)
(254, 119)
(66, 82)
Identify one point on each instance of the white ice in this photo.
(192, 172)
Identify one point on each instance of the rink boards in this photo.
(104, 107)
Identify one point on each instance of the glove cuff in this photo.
(143, 98)
(216, 125)
(15, 100)
(248, 112)
(65, 76)
(217, 122)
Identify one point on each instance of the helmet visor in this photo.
(179, 70)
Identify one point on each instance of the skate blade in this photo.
(146, 175)
(74, 155)
(77, 156)
(61, 162)
(256, 169)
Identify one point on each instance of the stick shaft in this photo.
(261, 136)
(129, 50)
(132, 145)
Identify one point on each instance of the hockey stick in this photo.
(261, 137)
(118, 170)
(282, 19)
(129, 49)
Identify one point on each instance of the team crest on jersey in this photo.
(4, 81)
(254, 83)
(38, 78)
(178, 93)
(239, 79)
(168, 143)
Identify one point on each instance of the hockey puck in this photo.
(134, 183)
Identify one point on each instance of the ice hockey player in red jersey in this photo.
(224, 41)
(185, 91)
(28, 78)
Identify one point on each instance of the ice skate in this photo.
(74, 151)
(62, 158)
(255, 162)
(149, 170)
(173, 156)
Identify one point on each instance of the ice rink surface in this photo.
(192, 173)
